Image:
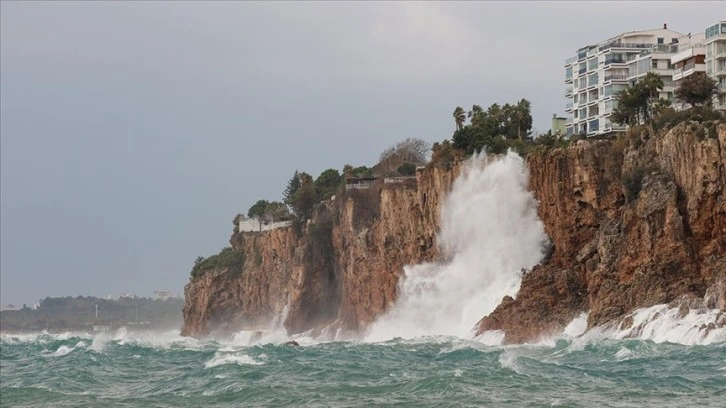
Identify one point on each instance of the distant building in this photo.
(559, 125)
(687, 62)
(597, 73)
(8, 307)
(163, 295)
(715, 44)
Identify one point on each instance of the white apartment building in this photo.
(598, 72)
(685, 63)
(715, 44)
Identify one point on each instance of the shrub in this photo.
(407, 169)
(226, 258)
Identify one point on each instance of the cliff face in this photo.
(341, 271)
(629, 230)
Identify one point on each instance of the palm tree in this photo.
(459, 117)
(651, 84)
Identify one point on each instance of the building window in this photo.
(660, 40)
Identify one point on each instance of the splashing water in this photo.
(490, 232)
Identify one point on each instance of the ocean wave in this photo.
(220, 359)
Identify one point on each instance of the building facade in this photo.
(597, 73)
(685, 63)
(715, 44)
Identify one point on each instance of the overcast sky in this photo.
(133, 132)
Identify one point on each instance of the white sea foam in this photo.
(661, 323)
(65, 350)
(490, 232)
(508, 359)
(577, 326)
(230, 358)
(62, 351)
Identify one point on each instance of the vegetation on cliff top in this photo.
(232, 259)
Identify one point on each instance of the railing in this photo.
(618, 44)
(570, 60)
(615, 60)
(666, 48)
(254, 225)
(568, 105)
(582, 71)
(668, 84)
(568, 90)
(389, 180)
(360, 185)
(616, 78)
(592, 82)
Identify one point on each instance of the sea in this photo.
(127, 369)
(421, 353)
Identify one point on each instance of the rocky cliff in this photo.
(633, 223)
(341, 270)
(631, 228)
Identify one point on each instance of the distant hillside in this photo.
(79, 313)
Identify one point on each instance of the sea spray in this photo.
(490, 232)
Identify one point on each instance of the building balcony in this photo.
(618, 44)
(688, 70)
(568, 91)
(568, 107)
(614, 60)
(570, 60)
(616, 78)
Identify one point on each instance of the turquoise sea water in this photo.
(164, 370)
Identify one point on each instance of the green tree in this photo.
(306, 198)
(257, 211)
(407, 169)
(475, 110)
(650, 86)
(628, 109)
(275, 211)
(637, 103)
(348, 170)
(293, 186)
(520, 119)
(697, 89)
(328, 183)
(459, 117)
